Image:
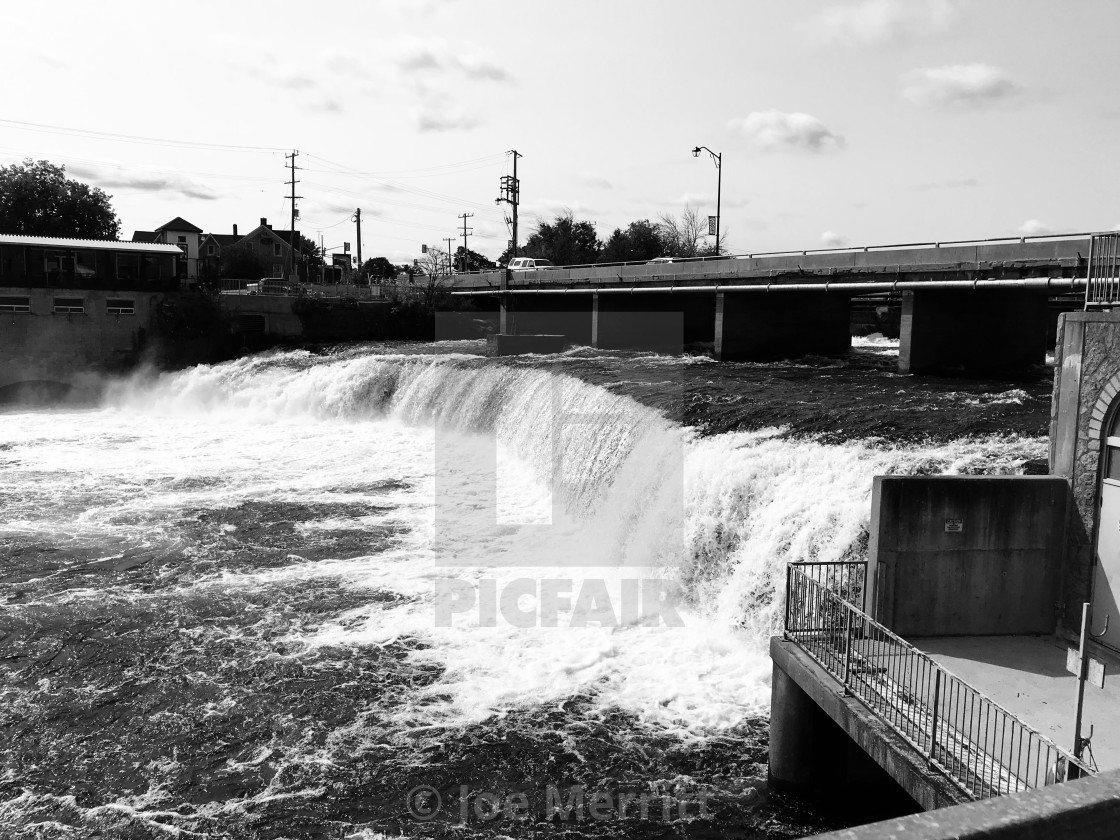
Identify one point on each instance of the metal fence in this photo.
(980, 746)
(1102, 286)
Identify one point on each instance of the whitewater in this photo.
(224, 608)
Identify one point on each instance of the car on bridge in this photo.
(529, 264)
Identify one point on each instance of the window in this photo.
(209, 250)
(9, 303)
(69, 306)
(120, 306)
(182, 240)
(128, 266)
(276, 250)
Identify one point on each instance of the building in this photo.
(69, 307)
(182, 234)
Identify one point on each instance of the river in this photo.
(410, 589)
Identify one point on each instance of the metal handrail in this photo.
(980, 746)
(1102, 277)
(800, 252)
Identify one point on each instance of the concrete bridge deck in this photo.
(1026, 257)
(979, 306)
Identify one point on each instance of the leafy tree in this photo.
(687, 236)
(37, 199)
(564, 241)
(379, 268)
(640, 241)
(475, 261)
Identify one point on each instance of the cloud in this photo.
(438, 120)
(1034, 227)
(959, 85)
(947, 184)
(330, 105)
(831, 239)
(546, 209)
(705, 199)
(435, 55)
(117, 177)
(877, 22)
(589, 180)
(776, 130)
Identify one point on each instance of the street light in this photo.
(718, 158)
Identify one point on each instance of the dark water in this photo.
(160, 678)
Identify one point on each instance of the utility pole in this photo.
(448, 240)
(511, 193)
(464, 217)
(358, 219)
(293, 242)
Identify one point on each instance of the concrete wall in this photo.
(41, 346)
(966, 555)
(1087, 380)
(972, 330)
(1085, 809)
(758, 327)
(807, 703)
(276, 311)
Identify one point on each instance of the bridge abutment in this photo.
(761, 326)
(974, 331)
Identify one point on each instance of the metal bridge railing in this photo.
(984, 749)
(1102, 286)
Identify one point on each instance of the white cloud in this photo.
(436, 55)
(775, 130)
(547, 209)
(947, 184)
(706, 199)
(831, 239)
(959, 85)
(438, 119)
(590, 180)
(1034, 227)
(876, 22)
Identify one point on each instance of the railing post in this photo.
(789, 577)
(936, 704)
(848, 649)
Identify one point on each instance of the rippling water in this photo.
(220, 588)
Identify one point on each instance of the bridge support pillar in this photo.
(566, 315)
(665, 322)
(973, 331)
(764, 326)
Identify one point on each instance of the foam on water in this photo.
(585, 485)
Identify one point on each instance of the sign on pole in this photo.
(346, 247)
(712, 225)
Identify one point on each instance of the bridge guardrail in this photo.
(1102, 286)
(984, 749)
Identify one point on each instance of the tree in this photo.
(565, 241)
(475, 261)
(36, 198)
(688, 235)
(379, 268)
(641, 241)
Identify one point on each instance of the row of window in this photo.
(68, 306)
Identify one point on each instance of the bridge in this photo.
(973, 304)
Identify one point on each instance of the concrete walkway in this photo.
(1027, 676)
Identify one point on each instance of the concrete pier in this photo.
(763, 327)
(973, 331)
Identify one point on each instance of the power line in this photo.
(133, 138)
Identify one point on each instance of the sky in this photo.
(847, 123)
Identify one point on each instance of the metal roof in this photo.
(88, 244)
